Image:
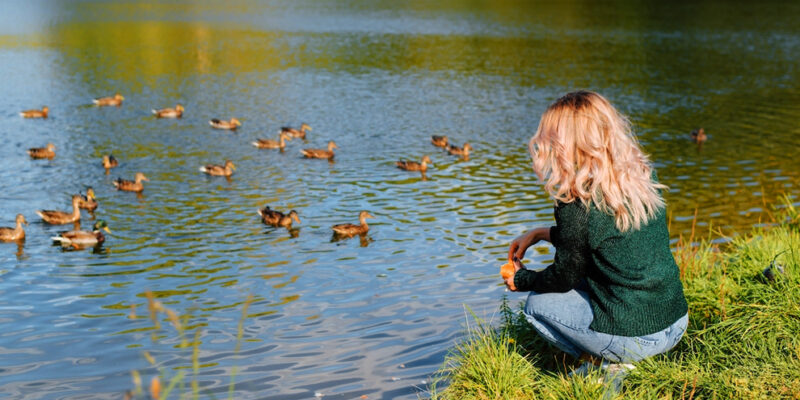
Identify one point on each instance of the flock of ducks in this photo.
(81, 239)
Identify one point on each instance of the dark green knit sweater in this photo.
(633, 281)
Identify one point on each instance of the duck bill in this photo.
(105, 228)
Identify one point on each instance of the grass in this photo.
(743, 339)
(176, 383)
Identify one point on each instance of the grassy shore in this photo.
(743, 340)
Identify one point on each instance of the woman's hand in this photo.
(520, 245)
(510, 281)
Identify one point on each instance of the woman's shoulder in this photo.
(572, 214)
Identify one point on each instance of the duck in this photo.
(62, 217)
(460, 151)
(320, 153)
(221, 124)
(176, 112)
(115, 100)
(16, 233)
(277, 218)
(415, 166)
(88, 202)
(272, 144)
(219, 170)
(439, 141)
(35, 113)
(48, 152)
(78, 238)
(352, 230)
(109, 162)
(699, 136)
(294, 132)
(131, 186)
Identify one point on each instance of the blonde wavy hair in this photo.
(585, 150)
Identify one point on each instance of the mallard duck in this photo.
(352, 230)
(699, 136)
(320, 153)
(88, 202)
(277, 218)
(272, 144)
(229, 125)
(176, 112)
(131, 186)
(460, 151)
(415, 166)
(62, 217)
(219, 170)
(109, 162)
(439, 141)
(115, 100)
(16, 233)
(84, 238)
(294, 132)
(35, 113)
(48, 152)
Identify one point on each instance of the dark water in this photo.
(334, 318)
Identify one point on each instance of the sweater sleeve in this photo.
(570, 238)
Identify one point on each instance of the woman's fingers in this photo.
(512, 250)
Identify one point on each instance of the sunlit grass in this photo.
(743, 339)
(176, 383)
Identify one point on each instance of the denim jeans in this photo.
(563, 319)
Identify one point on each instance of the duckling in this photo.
(319, 153)
(415, 166)
(131, 186)
(439, 141)
(48, 152)
(272, 144)
(14, 234)
(109, 162)
(219, 170)
(115, 100)
(699, 136)
(61, 217)
(79, 239)
(460, 151)
(352, 230)
(221, 124)
(176, 112)
(294, 132)
(277, 218)
(35, 113)
(88, 202)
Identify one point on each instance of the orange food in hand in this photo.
(507, 270)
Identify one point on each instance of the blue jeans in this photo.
(563, 319)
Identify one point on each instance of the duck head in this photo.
(100, 224)
(140, 177)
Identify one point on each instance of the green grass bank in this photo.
(743, 339)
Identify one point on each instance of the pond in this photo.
(372, 316)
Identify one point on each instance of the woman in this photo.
(612, 295)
